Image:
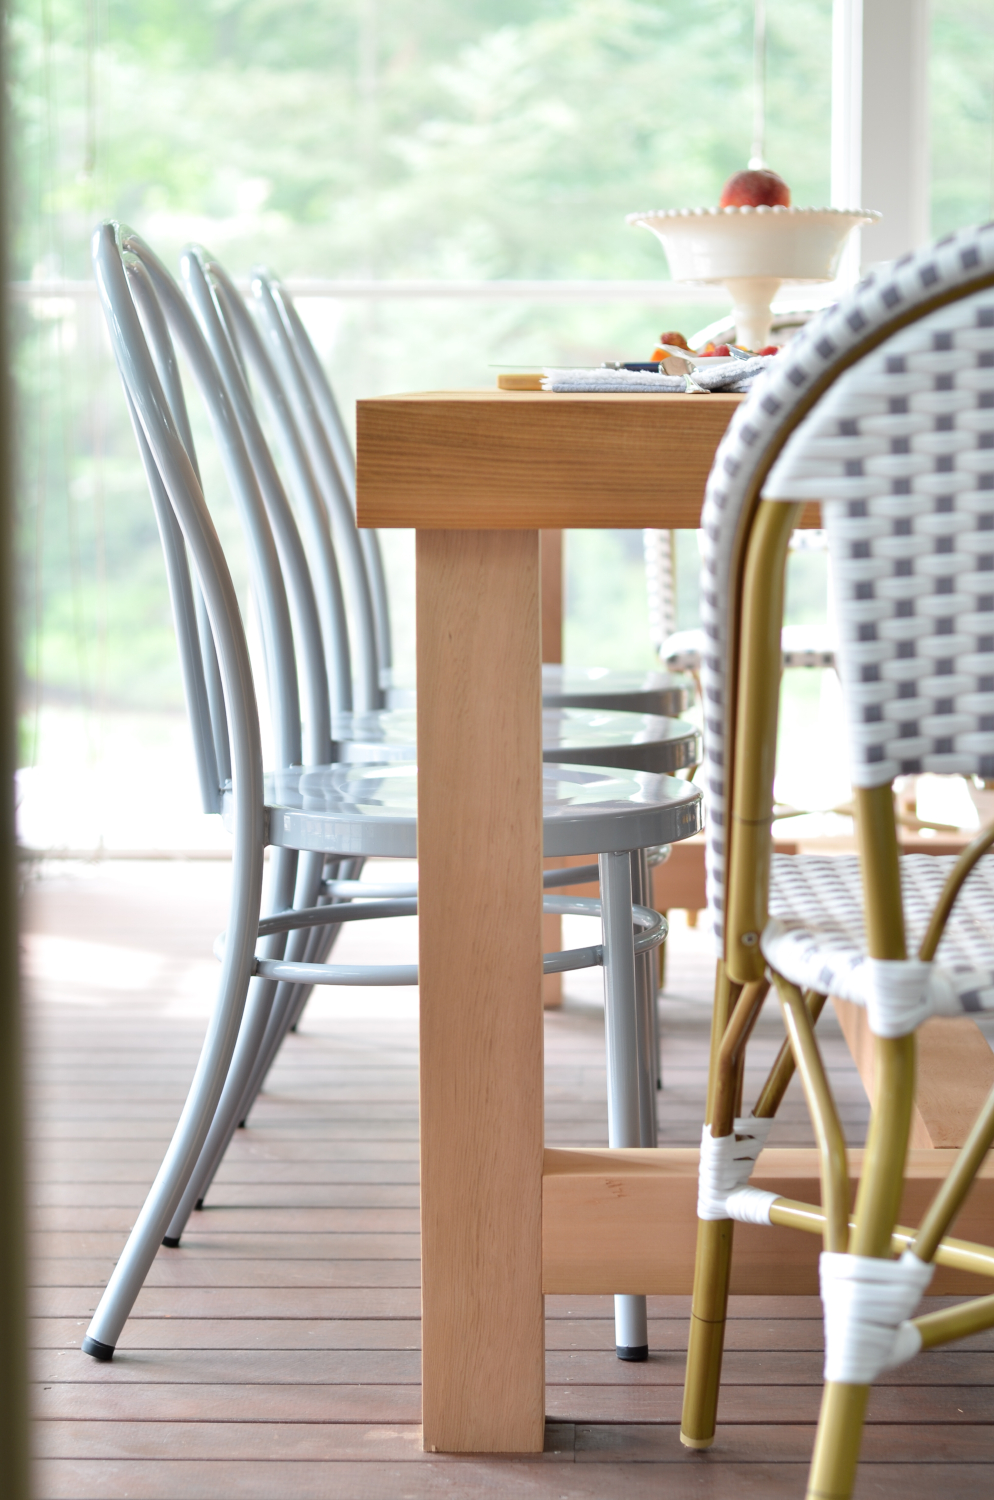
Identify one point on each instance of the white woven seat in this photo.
(803, 646)
(816, 938)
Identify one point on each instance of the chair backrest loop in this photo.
(163, 444)
(266, 577)
(295, 572)
(308, 507)
(214, 762)
(324, 400)
(337, 504)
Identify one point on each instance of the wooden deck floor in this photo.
(276, 1353)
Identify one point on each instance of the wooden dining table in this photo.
(479, 475)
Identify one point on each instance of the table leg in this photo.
(480, 861)
(552, 595)
(552, 651)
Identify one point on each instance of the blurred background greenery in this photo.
(373, 139)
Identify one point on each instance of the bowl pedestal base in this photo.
(751, 297)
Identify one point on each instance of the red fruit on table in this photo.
(770, 349)
(722, 351)
(754, 188)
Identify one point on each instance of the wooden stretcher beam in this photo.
(626, 1221)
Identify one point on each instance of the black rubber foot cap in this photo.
(93, 1347)
(632, 1352)
(200, 1203)
(173, 1243)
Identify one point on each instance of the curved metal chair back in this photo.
(270, 526)
(330, 458)
(164, 315)
(327, 408)
(309, 510)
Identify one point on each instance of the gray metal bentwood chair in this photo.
(322, 490)
(310, 809)
(277, 355)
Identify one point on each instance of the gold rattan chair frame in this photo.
(743, 981)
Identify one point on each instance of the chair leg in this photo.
(323, 939)
(706, 1343)
(843, 1407)
(837, 1442)
(270, 1001)
(320, 942)
(645, 999)
(279, 895)
(257, 1012)
(712, 1272)
(239, 1103)
(184, 1149)
(658, 978)
(623, 1062)
(284, 1019)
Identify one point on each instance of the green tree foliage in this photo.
(355, 138)
(479, 138)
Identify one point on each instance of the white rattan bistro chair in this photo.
(811, 646)
(883, 410)
(310, 809)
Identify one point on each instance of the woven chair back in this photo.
(901, 453)
(796, 385)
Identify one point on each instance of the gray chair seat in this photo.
(598, 687)
(369, 810)
(637, 742)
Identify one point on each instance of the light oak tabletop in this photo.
(495, 460)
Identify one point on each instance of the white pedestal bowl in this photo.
(753, 251)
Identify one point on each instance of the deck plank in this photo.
(277, 1351)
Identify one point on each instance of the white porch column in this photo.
(880, 124)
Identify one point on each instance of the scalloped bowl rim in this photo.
(774, 209)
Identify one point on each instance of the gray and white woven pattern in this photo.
(752, 442)
(816, 937)
(901, 452)
(803, 646)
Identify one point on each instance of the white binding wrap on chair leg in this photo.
(867, 1305)
(726, 1164)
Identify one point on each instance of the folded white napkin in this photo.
(610, 380)
(737, 375)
